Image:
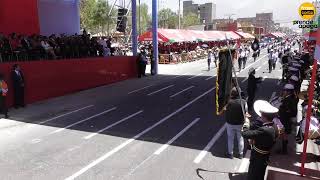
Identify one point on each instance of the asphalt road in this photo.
(159, 128)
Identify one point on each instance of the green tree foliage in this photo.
(87, 8)
(190, 19)
(168, 19)
(94, 15)
(145, 18)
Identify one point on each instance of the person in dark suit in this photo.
(263, 138)
(252, 87)
(18, 86)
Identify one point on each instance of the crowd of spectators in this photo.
(15, 47)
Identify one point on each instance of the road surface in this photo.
(159, 128)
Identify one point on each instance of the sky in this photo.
(284, 11)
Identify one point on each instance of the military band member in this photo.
(287, 111)
(263, 139)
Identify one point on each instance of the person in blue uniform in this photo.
(263, 138)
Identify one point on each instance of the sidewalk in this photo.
(288, 166)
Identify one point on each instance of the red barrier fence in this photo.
(46, 79)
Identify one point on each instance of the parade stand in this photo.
(181, 46)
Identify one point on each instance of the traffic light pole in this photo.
(154, 61)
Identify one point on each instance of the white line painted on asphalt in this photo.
(195, 76)
(264, 78)
(160, 90)
(140, 89)
(210, 78)
(87, 119)
(165, 146)
(36, 141)
(62, 115)
(181, 91)
(245, 162)
(254, 62)
(258, 68)
(279, 82)
(244, 80)
(112, 125)
(124, 144)
(204, 152)
(179, 75)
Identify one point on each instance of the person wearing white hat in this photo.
(287, 110)
(270, 60)
(295, 81)
(263, 139)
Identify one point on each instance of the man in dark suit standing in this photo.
(18, 86)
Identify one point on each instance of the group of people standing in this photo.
(18, 84)
(275, 118)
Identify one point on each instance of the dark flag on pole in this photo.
(224, 79)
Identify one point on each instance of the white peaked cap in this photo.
(261, 106)
(293, 69)
(288, 87)
(294, 78)
(296, 65)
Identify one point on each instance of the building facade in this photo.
(206, 12)
(265, 20)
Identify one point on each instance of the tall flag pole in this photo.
(309, 110)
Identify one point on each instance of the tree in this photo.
(168, 19)
(145, 18)
(94, 15)
(87, 8)
(190, 19)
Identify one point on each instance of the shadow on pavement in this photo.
(195, 138)
(232, 176)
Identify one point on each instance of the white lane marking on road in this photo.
(150, 94)
(279, 82)
(112, 125)
(258, 68)
(87, 119)
(264, 78)
(181, 91)
(245, 162)
(165, 146)
(62, 115)
(179, 75)
(140, 89)
(210, 78)
(36, 141)
(204, 152)
(124, 144)
(195, 76)
(244, 80)
(254, 62)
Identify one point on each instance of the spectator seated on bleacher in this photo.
(15, 47)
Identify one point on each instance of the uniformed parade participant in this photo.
(3, 96)
(287, 110)
(270, 60)
(295, 81)
(263, 139)
(252, 87)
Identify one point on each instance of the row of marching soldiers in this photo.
(276, 118)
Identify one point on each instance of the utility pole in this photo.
(179, 14)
